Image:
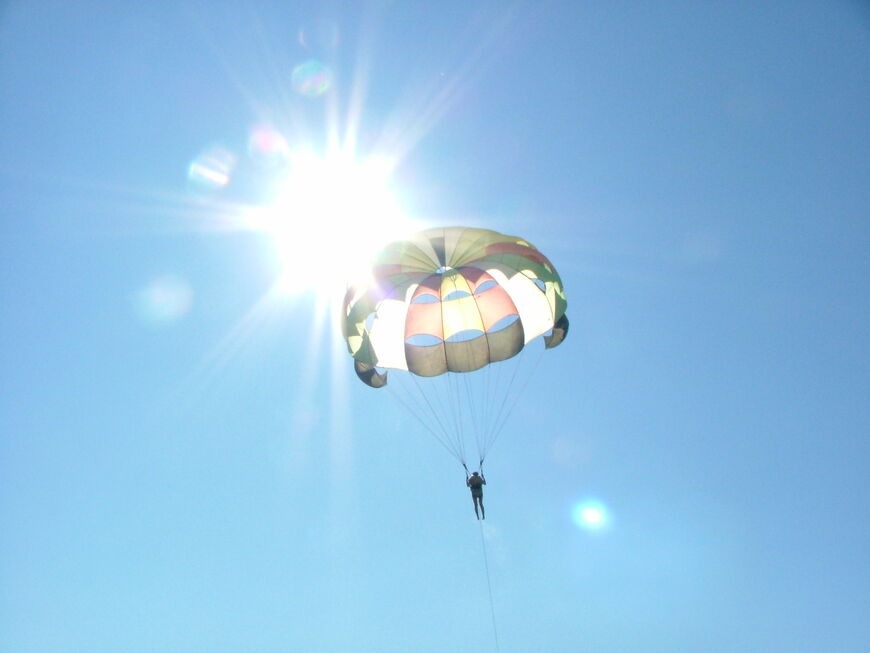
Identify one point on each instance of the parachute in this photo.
(446, 306)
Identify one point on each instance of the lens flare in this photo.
(164, 301)
(267, 146)
(212, 169)
(312, 78)
(591, 515)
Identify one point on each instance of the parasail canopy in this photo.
(452, 299)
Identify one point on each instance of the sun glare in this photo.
(591, 515)
(330, 217)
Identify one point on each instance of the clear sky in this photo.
(187, 461)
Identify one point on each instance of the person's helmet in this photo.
(474, 473)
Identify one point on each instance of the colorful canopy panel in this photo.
(452, 299)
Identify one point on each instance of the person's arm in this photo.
(483, 478)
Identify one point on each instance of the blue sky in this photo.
(187, 461)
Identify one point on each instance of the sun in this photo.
(331, 215)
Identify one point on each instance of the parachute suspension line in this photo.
(456, 411)
(497, 393)
(513, 403)
(438, 438)
(489, 587)
(501, 393)
(433, 396)
(427, 398)
(484, 400)
(441, 401)
(502, 410)
(491, 377)
(449, 410)
(474, 412)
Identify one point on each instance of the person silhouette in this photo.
(476, 482)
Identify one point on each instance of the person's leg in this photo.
(482, 510)
(475, 500)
